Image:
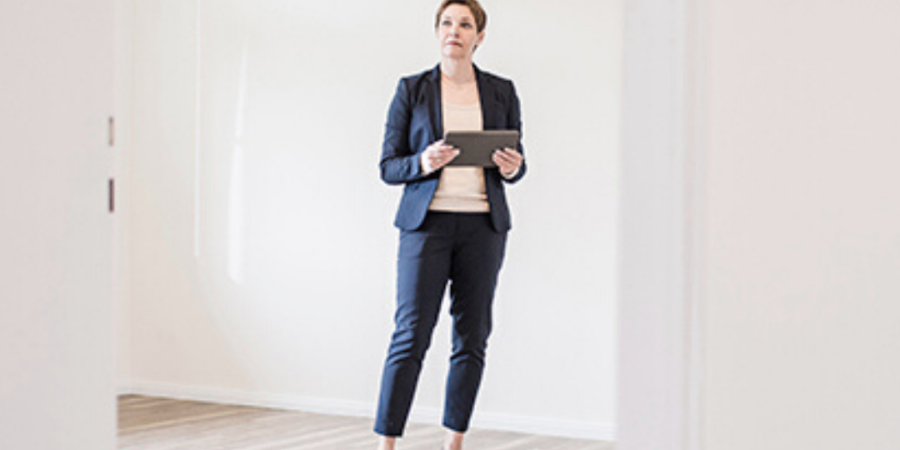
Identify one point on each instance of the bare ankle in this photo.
(386, 443)
(453, 440)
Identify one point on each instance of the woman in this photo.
(453, 220)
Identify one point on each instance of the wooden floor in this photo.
(152, 423)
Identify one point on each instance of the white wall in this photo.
(261, 252)
(802, 246)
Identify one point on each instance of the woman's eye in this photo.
(467, 25)
(446, 23)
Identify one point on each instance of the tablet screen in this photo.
(477, 147)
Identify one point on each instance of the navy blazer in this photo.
(414, 122)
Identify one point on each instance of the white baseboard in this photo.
(487, 421)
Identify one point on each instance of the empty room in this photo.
(493, 224)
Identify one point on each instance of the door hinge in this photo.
(112, 131)
(112, 195)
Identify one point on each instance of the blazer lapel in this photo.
(433, 97)
(488, 100)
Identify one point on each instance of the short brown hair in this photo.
(474, 6)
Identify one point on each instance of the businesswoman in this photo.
(453, 220)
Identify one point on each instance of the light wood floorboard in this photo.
(154, 423)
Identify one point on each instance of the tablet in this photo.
(477, 147)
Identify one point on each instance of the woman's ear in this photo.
(478, 41)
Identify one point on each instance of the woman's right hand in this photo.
(437, 155)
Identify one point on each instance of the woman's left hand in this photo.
(508, 160)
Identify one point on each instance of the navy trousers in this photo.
(461, 248)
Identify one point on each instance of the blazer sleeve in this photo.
(399, 164)
(514, 122)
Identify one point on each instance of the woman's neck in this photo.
(459, 71)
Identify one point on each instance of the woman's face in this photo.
(457, 32)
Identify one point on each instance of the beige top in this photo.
(461, 189)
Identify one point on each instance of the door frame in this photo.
(661, 303)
